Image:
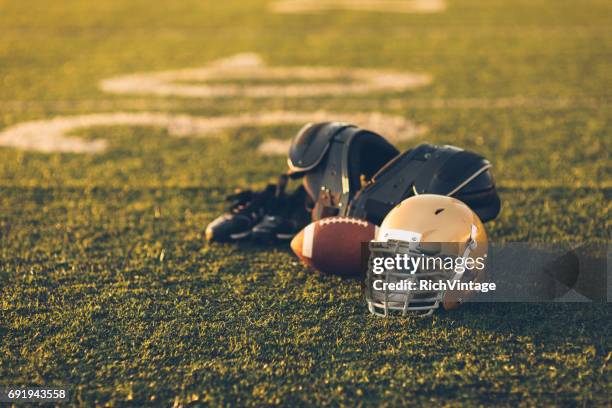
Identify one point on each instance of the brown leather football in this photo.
(333, 245)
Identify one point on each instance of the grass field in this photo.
(107, 286)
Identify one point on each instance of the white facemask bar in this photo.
(469, 247)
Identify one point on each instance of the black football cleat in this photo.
(274, 228)
(288, 217)
(246, 211)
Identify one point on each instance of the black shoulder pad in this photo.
(448, 170)
(429, 169)
(309, 145)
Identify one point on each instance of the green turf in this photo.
(107, 286)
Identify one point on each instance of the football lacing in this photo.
(340, 220)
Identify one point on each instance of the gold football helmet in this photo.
(438, 229)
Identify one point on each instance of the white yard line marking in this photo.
(53, 135)
(249, 66)
(478, 103)
(502, 102)
(392, 127)
(396, 6)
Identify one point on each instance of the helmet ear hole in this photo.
(438, 211)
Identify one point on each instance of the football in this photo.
(333, 245)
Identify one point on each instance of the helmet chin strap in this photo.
(469, 247)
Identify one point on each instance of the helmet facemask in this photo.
(383, 301)
(442, 246)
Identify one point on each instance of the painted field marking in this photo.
(55, 135)
(459, 103)
(394, 6)
(248, 66)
